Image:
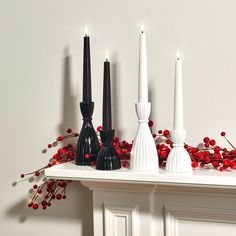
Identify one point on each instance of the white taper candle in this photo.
(178, 103)
(143, 77)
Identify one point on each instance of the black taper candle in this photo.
(88, 144)
(107, 158)
(106, 97)
(87, 91)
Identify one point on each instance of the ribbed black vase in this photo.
(107, 158)
(88, 141)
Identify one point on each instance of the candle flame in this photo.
(178, 55)
(107, 55)
(86, 30)
(142, 27)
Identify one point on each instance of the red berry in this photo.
(35, 206)
(76, 134)
(222, 133)
(54, 163)
(30, 204)
(202, 164)
(206, 140)
(69, 130)
(217, 156)
(166, 132)
(99, 128)
(124, 164)
(222, 168)
(207, 145)
(49, 204)
(22, 176)
(86, 156)
(150, 123)
(44, 203)
(216, 149)
(49, 164)
(116, 139)
(207, 159)
(164, 154)
(53, 196)
(44, 207)
(64, 197)
(37, 173)
(159, 131)
(168, 141)
(226, 162)
(194, 164)
(212, 142)
(49, 145)
(154, 135)
(58, 196)
(60, 138)
(215, 164)
(92, 163)
(40, 191)
(233, 164)
(35, 186)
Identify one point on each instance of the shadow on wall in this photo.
(116, 112)
(78, 205)
(69, 101)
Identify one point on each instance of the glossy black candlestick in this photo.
(107, 158)
(87, 91)
(88, 141)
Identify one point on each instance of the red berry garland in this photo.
(52, 189)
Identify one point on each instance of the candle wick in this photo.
(142, 31)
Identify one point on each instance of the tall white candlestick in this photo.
(178, 104)
(143, 77)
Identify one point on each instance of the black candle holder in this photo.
(107, 158)
(88, 141)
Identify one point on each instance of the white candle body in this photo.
(178, 104)
(143, 77)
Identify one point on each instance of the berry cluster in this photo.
(50, 189)
(207, 154)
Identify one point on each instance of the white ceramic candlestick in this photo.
(178, 160)
(143, 154)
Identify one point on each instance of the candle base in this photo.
(144, 154)
(178, 160)
(107, 158)
(88, 144)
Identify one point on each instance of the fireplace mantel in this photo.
(163, 204)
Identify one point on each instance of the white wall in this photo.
(35, 107)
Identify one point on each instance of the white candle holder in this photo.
(144, 154)
(178, 160)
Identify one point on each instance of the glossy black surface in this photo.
(106, 122)
(107, 158)
(88, 141)
(87, 91)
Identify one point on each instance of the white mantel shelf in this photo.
(199, 177)
(166, 204)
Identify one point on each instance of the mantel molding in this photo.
(205, 178)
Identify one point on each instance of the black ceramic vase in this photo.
(88, 141)
(107, 158)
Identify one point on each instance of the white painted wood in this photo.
(120, 220)
(136, 204)
(175, 215)
(207, 178)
